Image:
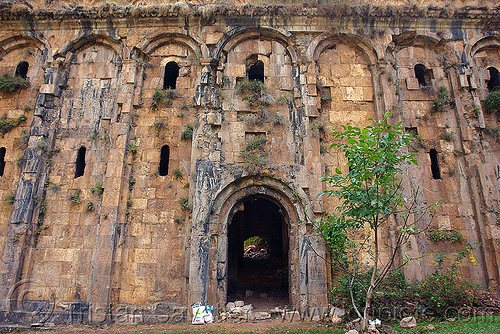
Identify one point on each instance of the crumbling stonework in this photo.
(144, 138)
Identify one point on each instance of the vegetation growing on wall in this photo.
(74, 196)
(492, 103)
(187, 133)
(446, 235)
(7, 124)
(254, 154)
(255, 93)
(442, 102)
(163, 96)
(10, 84)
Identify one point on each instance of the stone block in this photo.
(354, 93)
(412, 84)
(292, 316)
(463, 81)
(50, 89)
(367, 93)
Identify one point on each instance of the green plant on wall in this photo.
(98, 188)
(10, 84)
(492, 103)
(442, 102)
(254, 154)
(7, 124)
(255, 93)
(187, 133)
(448, 136)
(163, 96)
(74, 196)
(178, 174)
(446, 235)
(10, 197)
(184, 201)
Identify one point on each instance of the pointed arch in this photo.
(239, 35)
(18, 41)
(325, 40)
(484, 43)
(197, 47)
(84, 41)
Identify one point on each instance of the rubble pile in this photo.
(239, 311)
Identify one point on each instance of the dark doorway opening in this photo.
(256, 71)
(170, 76)
(164, 157)
(22, 70)
(423, 75)
(494, 82)
(258, 254)
(80, 162)
(436, 174)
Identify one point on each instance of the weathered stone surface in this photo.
(156, 241)
(408, 322)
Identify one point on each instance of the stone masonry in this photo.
(140, 137)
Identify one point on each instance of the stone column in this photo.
(30, 191)
(115, 184)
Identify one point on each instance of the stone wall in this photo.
(122, 192)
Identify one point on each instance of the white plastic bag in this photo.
(202, 315)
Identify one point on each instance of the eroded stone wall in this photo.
(139, 231)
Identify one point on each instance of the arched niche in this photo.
(34, 52)
(344, 80)
(419, 69)
(92, 86)
(486, 56)
(240, 35)
(82, 42)
(267, 56)
(172, 48)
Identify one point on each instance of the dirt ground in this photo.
(255, 327)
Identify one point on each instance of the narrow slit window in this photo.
(22, 70)
(494, 82)
(2, 160)
(423, 75)
(80, 162)
(164, 157)
(256, 71)
(436, 174)
(171, 75)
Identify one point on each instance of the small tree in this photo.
(370, 193)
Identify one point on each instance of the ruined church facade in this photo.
(153, 140)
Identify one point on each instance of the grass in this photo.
(270, 331)
(475, 325)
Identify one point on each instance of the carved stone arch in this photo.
(326, 39)
(197, 47)
(87, 40)
(330, 39)
(482, 61)
(306, 271)
(16, 42)
(414, 38)
(483, 43)
(240, 35)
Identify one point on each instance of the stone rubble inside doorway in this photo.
(239, 311)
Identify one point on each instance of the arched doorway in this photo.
(209, 269)
(257, 254)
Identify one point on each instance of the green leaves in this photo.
(371, 189)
